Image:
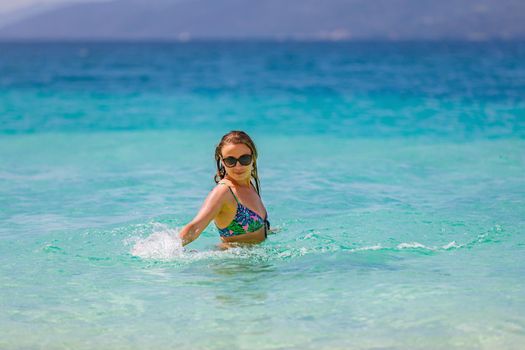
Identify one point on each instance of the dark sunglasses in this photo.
(230, 162)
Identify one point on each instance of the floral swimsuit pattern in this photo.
(245, 220)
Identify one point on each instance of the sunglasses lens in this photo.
(245, 159)
(230, 162)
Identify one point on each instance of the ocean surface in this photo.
(394, 172)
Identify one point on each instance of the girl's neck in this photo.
(245, 183)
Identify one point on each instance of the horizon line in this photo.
(5, 40)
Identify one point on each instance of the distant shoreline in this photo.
(251, 41)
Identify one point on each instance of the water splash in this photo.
(163, 244)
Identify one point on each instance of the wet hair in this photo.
(236, 137)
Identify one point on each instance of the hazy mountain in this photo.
(26, 12)
(300, 19)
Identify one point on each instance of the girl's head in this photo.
(236, 156)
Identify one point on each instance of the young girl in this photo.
(234, 204)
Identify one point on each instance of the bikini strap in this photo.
(234, 196)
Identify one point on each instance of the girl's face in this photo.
(238, 172)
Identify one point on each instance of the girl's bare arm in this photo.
(209, 210)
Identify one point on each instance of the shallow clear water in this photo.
(394, 173)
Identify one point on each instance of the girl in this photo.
(235, 203)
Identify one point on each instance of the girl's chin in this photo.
(240, 176)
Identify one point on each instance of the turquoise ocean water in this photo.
(395, 173)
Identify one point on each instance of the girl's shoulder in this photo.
(223, 182)
(220, 193)
(224, 186)
(224, 189)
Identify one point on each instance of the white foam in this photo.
(412, 245)
(373, 247)
(164, 244)
(309, 235)
(451, 245)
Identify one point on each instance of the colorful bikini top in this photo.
(245, 220)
